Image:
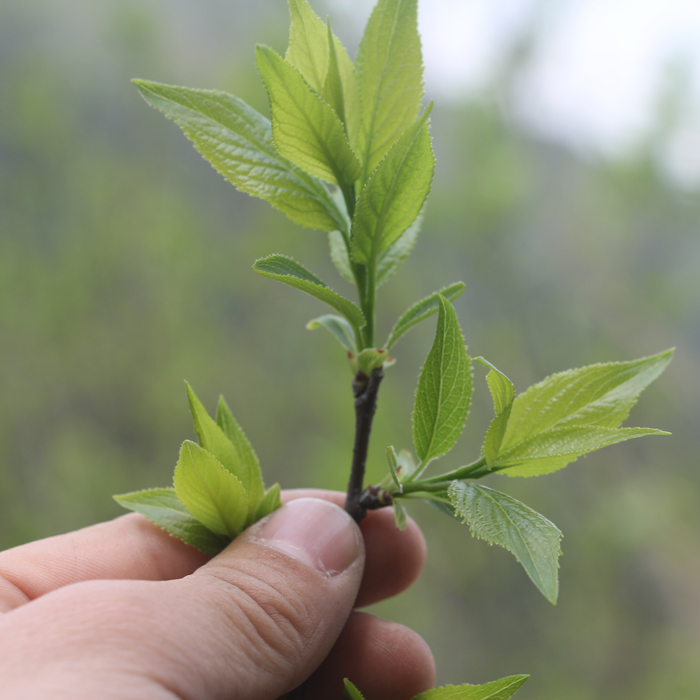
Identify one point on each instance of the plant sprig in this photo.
(348, 151)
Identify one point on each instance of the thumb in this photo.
(275, 601)
(253, 623)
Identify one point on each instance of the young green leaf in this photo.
(284, 269)
(503, 394)
(338, 327)
(394, 194)
(269, 503)
(422, 310)
(444, 389)
(333, 86)
(211, 494)
(391, 260)
(339, 255)
(389, 69)
(406, 465)
(164, 508)
(237, 141)
(350, 692)
(400, 516)
(372, 358)
(499, 519)
(305, 128)
(351, 93)
(308, 44)
(502, 689)
(557, 447)
(393, 467)
(593, 398)
(248, 469)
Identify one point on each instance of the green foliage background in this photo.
(125, 268)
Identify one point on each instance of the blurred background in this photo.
(567, 138)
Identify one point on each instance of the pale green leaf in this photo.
(164, 508)
(308, 44)
(269, 503)
(305, 128)
(570, 441)
(406, 464)
(394, 194)
(350, 692)
(237, 141)
(372, 358)
(288, 271)
(502, 689)
(389, 70)
(391, 260)
(339, 255)
(503, 394)
(333, 86)
(444, 389)
(600, 395)
(422, 310)
(249, 471)
(574, 412)
(211, 494)
(351, 94)
(392, 459)
(338, 327)
(400, 516)
(499, 519)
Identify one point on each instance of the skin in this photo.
(123, 610)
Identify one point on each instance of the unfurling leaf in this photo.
(305, 128)
(502, 689)
(211, 494)
(226, 442)
(400, 516)
(393, 468)
(499, 519)
(338, 327)
(422, 310)
(372, 358)
(575, 412)
(288, 271)
(164, 508)
(269, 503)
(394, 194)
(389, 68)
(444, 389)
(237, 141)
(503, 394)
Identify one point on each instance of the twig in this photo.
(365, 390)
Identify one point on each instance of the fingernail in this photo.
(316, 532)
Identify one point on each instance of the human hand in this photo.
(123, 610)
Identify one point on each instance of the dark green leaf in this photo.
(499, 519)
(305, 128)
(389, 69)
(237, 141)
(211, 494)
(422, 310)
(496, 690)
(284, 269)
(502, 393)
(395, 193)
(444, 389)
(338, 327)
(164, 508)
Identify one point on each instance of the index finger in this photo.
(131, 547)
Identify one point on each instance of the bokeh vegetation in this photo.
(125, 268)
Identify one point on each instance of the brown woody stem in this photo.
(365, 390)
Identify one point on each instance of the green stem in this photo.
(475, 470)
